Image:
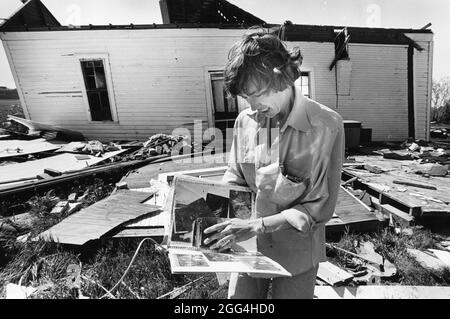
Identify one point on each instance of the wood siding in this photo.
(422, 83)
(158, 79)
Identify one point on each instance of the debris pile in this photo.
(164, 144)
(425, 152)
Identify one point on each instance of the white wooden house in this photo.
(132, 81)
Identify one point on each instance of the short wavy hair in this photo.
(261, 58)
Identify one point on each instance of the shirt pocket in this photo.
(287, 190)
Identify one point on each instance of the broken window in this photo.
(96, 89)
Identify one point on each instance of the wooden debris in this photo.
(63, 163)
(96, 220)
(399, 216)
(374, 169)
(121, 185)
(426, 260)
(42, 176)
(414, 184)
(433, 199)
(37, 129)
(382, 292)
(442, 255)
(60, 207)
(52, 172)
(332, 274)
(23, 221)
(72, 197)
(105, 169)
(351, 212)
(383, 268)
(438, 170)
(140, 232)
(11, 148)
(74, 207)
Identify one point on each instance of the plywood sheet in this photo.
(100, 218)
(11, 148)
(62, 163)
(426, 200)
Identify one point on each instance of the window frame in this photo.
(80, 57)
(311, 81)
(208, 72)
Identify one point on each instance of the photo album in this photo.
(196, 204)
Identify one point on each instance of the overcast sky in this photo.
(364, 13)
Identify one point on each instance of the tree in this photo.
(440, 101)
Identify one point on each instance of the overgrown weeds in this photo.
(393, 247)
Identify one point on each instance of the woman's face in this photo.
(268, 104)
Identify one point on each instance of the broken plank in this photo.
(36, 129)
(391, 210)
(414, 184)
(382, 292)
(332, 274)
(105, 169)
(98, 219)
(11, 148)
(352, 213)
(140, 232)
(442, 255)
(63, 163)
(427, 260)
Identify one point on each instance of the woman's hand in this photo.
(232, 231)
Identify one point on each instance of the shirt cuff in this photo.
(299, 218)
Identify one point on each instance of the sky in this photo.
(360, 13)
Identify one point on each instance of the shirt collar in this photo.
(298, 117)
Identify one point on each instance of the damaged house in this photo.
(132, 81)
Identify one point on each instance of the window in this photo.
(304, 82)
(224, 107)
(96, 89)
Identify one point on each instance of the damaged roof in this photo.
(205, 11)
(34, 16)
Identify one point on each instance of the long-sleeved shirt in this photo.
(300, 180)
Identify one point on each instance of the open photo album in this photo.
(196, 204)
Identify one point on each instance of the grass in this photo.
(9, 107)
(102, 263)
(394, 248)
(44, 264)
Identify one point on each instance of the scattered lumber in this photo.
(427, 259)
(414, 184)
(39, 129)
(100, 218)
(60, 208)
(382, 292)
(402, 217)
(140, 232)
(383, 267)
(442, 255)
(12, 148)
(23, 221)
(352, 213)
(332, 274)
(77, 174)
(50, 165)
(52, 172)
